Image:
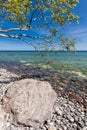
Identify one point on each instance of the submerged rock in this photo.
(30, 102)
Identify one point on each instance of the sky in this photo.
(77, 30)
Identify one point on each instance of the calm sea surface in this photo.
(65, 61)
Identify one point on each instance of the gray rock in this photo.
(75, 126)
(81, 124)
(44, 128)
(70, 118)
(6, 76)
(51, 126)
(76, 118)
(85, 121)
(64, 127)
(27, 128)
(58, 122)
(72, 109)
(58, 111)
(48, 122)
(30, 102)
(21, 128)
(85, 128)
(31, 128)
(79, 128)
(4, 119)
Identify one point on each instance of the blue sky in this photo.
(77, 30)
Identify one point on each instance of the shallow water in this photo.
(65, 61)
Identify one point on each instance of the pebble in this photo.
(85, 128)
(85, 121)
(72, 109)
(44, 128)
(76, 119)
(31, 128)
(51, 127)
(64, 127)
(79, 128)
(81, 124)
(70, 118)
(58, 111)
(48, 122)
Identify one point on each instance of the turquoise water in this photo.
(65, 61)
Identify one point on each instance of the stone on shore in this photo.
(4, 119)
(51, 127)
(30, 102)
(6, 76)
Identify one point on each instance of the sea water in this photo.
(64, 61)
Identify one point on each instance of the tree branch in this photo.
(24, 35)
(33, 37)
(14, 29)
(4, 35)
(31, 19)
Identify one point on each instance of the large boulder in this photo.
(29, 101)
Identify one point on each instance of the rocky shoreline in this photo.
(69, 112)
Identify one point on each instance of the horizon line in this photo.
(42, 50)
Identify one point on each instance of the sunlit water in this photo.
(65, 61)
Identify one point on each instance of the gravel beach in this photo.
(70, 108)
